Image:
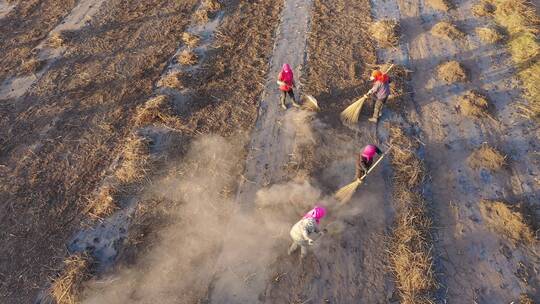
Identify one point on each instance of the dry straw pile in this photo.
(135, 159)
(442, 5)
(410, 251)
(451, 71)
(187, 57)
(474, 104)
(102, 204)
(56, 40)
(482, 9)
(207, 10)
(66, 288)
(172, 80)
(447, 30)
(386, 32)
(489, 35)
(32, 65)
(519, 18)
(190, 40)
(486, 157)
(501, 218)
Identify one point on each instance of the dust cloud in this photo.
(213, 250)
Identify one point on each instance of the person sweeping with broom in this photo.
(304, 230)
(381, 91)
(364, 159)
(286, 84)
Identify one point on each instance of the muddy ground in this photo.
(209, 221)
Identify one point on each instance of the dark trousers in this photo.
(284, 94)
(362, 167)
(378, 107)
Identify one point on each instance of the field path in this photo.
(269, 153)
(474, 263)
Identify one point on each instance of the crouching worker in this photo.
(381, 91)
(305, 230)
(286, 85)
(364, 159)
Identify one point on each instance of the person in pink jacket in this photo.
(364, 159)
(286, 85)
(305, 230)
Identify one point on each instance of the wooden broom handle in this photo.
(376, 163)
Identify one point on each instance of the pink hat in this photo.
(316, 213)
(369, 151)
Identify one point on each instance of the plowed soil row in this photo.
(58, 140)
(24, 27)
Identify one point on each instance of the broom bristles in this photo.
(311, 103)
(351, 113)
(345, 193)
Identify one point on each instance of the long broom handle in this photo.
(389, 68)
(377, 162)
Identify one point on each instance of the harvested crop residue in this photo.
(503, 219)
(385, 32)
(521, 21)
(452, 71)
(191, 40)
(187, 57)
(447, 30)
(442, 5)
(410, 249)
(24, 28)
(482, 9)
(66, 288)
(486, 157)
(473, 104)
(172, 80)
(489, 35)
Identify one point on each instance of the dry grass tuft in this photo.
(156, 109)
(474, 104)
(451, 71)
(207, 10)
(386, 32)
(501, 218)
(171, 80)
(410, 252)
(190, 40)
(442, 5)
(486, 157)
(482, 9)
(519, 18)
(187, 57)
(525, 299)
(32, 65)
(135, 158)
(447, 30)
(66, 288)
(103, 204)
(489, 35)
(56, 40)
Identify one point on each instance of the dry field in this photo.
(148, 159)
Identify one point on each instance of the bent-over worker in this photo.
(304, 230)
(364, 159)
(381, 91)
(286, 85)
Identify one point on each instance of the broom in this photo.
(351, 113)
(310, 103)
(345, 193)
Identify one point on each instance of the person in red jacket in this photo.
(365, 159)
(381, 91)
(286, 85)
